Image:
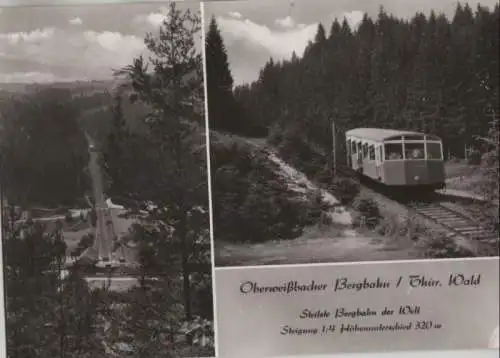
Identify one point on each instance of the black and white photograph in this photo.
(352, 131)
(104, 181)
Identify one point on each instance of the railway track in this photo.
(454, 221)
(459, 225)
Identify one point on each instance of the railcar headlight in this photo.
(416, 177)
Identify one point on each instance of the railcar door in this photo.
(378, 161)
(349, 153)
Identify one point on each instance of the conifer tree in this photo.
(219, 81)
(430, 73)
(169, 182)
(320, 34)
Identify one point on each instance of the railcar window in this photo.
(434, 151)
(414, 151)
(354, 148)
(365, 150)
(393, 151)
(372, 152)
(359, 147)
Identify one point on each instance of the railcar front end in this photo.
(414, 161)
(398, 159)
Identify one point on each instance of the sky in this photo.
(253, 31)
(67, 43)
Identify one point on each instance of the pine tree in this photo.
(320, 36)
(47, 315)
(169, 179)
(335, 29)
(219, 81)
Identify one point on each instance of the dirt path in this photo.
(313, 250)
(459, 169)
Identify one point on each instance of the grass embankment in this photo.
(251, 203)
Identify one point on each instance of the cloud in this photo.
(280, 43)
(75, 21)
(286, 22)
(353, 18)
(114, 41)
(235, 15)
(153, 19)
(54, 54)
(34, 36)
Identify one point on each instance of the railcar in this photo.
(398, 159)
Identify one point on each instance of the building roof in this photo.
(378, 134)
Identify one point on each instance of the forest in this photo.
(41, 139)
(150, 132)
(430, 73)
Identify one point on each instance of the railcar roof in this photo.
(378, 134)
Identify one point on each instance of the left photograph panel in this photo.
(104, 182)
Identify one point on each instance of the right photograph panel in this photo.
(352, 141)
(352, 135)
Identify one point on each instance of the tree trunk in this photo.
(61, 302)
(186, 282)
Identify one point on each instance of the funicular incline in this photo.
(102, 253)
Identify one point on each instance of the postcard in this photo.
(248, 178)
(354, 158)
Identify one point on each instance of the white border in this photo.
(77, 3)
(209, 173)
(349, 263)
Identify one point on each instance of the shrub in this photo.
(251, 203)
(438, 245)
(275, 136)
(86, 241)
(295, 149)
(474, 157)
(395, 226)
(368, 212)
(345, 189)
(390, 226)
(315, 206)
(324, 176)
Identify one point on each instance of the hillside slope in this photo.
(329, 236)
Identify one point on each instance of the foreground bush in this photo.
(345, 189)
(368, 212)
(438, 245)
(251, 203)
(296, 151)
(474, 158)
(431, 243)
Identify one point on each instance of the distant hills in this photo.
(79, 87)
(94, 98)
